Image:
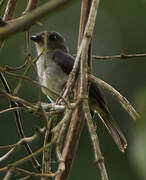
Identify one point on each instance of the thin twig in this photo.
(24, 23)
(123, 101)
(18, 99)
(11, 152)
(84, 87)
(10, 109)
(25, 178)
(8, 14)
(46, 160)
(18, 121)
(33, 174)
(65, 119)
(9, 11)
(9, 174)
(99, 159)
(121, 56)
(61, 166)
(31, 64)
(20, 161)
(19, 76)
(9, 68)
(32, 4)
(77, 121)
(59, 143)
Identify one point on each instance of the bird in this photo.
(53, 69)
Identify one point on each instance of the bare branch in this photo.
(9, 173)
(18, 99)
(123, 101)
(19, 76)
(65, 119)
(33, 174)
(84, 87)
(31, 64)
(121, 56)
(61, 166)
(32, 4)
(18, 121)
(9, 68)
(9, 11)
(20, 161)
(23, 23)
(38, 132)
(99, 159)
(77, 121)
(10, 109)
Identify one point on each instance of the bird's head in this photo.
(51, 40)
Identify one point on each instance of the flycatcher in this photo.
(54, 67)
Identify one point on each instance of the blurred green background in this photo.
(120, 27)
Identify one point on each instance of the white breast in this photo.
(50, 75)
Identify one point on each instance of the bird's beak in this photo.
(36, 38)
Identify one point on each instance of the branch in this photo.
(32, 4)
(77, 121)
(28, 106)
(23, 23)
(99, 159)
(18, 121)
(18, 76)
(37, 175)
(9, 68)
(9, 173)
(10, 109)
(9, 11)
(121, 56)
(22, 141)
(84, 88)
(65, 119)
(20, 161)
(19, 100)
(123, 101)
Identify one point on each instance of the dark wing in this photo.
(97, 94)
(64, 60)
(96, 100)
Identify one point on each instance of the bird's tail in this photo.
(114, 130)
(97, 103)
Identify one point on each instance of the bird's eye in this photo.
(53, 37)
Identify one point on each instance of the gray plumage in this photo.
(53, 70)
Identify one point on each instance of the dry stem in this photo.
(123, 101)
(25, 22)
